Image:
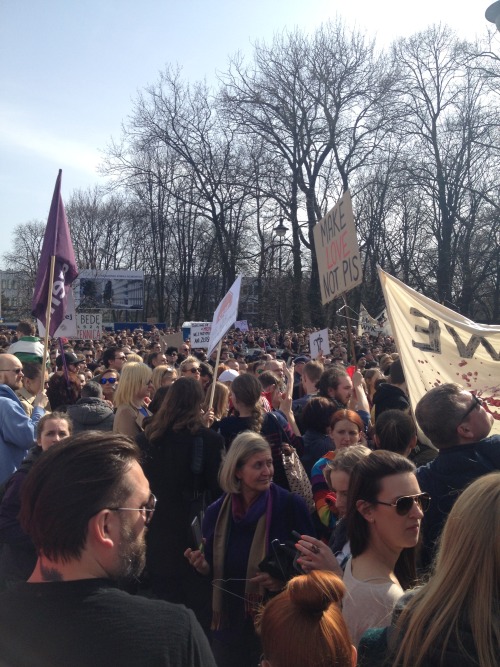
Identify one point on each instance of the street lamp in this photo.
(280, 231)
(492, 14)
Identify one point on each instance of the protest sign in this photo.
(438, 345)
(368, 325)
(89, 326)
(319, 343)
(242, 325)
(67, 328)
(225, 314)
(200, 334)
(337, 252)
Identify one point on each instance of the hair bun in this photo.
(314, 594)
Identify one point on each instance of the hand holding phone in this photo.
(197, 534)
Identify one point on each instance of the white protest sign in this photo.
(319, 343)
(225, 314)
(438, 345)
(337, 251)
(367, 324)
(200, 334)
(67, 328)
(242, 325)
(89, 326)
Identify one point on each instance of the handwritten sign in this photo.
(337, 251)
(319, 343)
(88, 326)
(200, 334)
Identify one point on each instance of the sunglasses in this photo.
(476, 402)
(110, 380)
(404, 504)
(191, 370)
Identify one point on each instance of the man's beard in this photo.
(132, 555)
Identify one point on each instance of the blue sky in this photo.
(69, 71)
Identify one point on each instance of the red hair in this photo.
(304, 625)
(350, 415)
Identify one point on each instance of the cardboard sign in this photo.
(89, 326)
(200, 334)
(337, 251)
(319, 343)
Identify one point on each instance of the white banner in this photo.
(67, 328)
(337, 251)
(319, 343)
(200, 334)
(438, 345)
(225, 314)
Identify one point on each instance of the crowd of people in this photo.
(290, 503)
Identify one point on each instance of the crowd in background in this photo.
(356, 526)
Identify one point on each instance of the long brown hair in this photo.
(181, 409)
(247, 390)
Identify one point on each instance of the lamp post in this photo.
(492, 14)
(280, 231)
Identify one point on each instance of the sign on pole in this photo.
(225, 314)
(67, 328)
(337, 251)
(200, 334)
(319, 343)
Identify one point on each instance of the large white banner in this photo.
(225, 315)
(337, 251)
(438, 345)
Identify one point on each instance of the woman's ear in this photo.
(365, 509)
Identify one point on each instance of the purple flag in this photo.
(56, 242)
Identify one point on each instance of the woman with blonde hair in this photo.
(220, 404)
(454, 620)
(240, 530)
(303, 625)
(163, 376)
(130, 399)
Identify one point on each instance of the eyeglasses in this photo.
(172, 354)
(191, 370)
(17, 371)
(476, 402)
(110, 380)
(146, 511)
(404, 504)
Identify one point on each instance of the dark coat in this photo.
(91, 414)
(446, 477)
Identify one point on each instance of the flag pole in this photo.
(212, 388)
(349, 331)
(48, 311)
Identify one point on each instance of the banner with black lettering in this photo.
(438, 345)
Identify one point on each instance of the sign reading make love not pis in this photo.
(337, 251)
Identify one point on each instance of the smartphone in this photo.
(197, 535)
